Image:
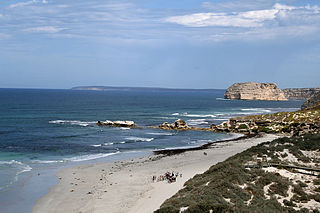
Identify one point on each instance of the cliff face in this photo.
(300, 93)
(255, 91)
(313, 102)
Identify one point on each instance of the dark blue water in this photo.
(40, 128)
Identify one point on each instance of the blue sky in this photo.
(159, 43)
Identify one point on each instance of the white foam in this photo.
(256, 109)
(73, 122)
(140, 139)
(194, 122)
(108, 144)
(185, 114)
(97, 145)
(122, 142)
(160, 133)
(199, 115)
(89, 157)
(17, 164)
(223, 99)
(125, 128)
(47, 161)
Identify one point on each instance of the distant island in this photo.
(111, 88)
(267, 92)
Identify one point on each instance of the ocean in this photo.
(42, 131)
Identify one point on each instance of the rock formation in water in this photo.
(300, 93)
(255, 91)
(117, 123)
(177, 125)
(313, 102)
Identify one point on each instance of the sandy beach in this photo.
(127, 186)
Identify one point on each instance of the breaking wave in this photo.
(137, 139)
(89, 157)
(73, 122)
(160, 133)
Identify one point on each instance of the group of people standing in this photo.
(169, 176)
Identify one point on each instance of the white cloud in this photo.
(253, 18)
(26, 3)
(45, 29)
(21, 4)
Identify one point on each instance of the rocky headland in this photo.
(300, 93)
(313, 102)
(267, 92)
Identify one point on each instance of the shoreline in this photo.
(127, 186)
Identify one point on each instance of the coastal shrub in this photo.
(243, 126)
(226, 178)
(301, 184)
(316, 181)
(317, 197)
(289, 203)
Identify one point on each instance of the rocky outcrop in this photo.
(117, 123)
(313, 102)
(177, 125)
(255, 91)
(300, 93)
(293, 123)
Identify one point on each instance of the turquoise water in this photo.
(42, 129)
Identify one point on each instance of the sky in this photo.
(159, 43)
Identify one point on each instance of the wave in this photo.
(73, 122)
(89, 157)
(185, 114)
(137, 139)
(194, 122)
(96, 145)
(47, 161)
(18, 164)
(256, 109)
(160, 133)
(124, 128)
(223, 99)
(108, 144)
(76, 158)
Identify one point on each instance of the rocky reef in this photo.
(313, 102)
(117, 123)
(255, 91)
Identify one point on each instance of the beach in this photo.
(127, 186)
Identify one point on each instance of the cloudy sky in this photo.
(159, 43)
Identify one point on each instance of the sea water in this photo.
(44, 130)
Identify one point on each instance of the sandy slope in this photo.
(127, 186)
